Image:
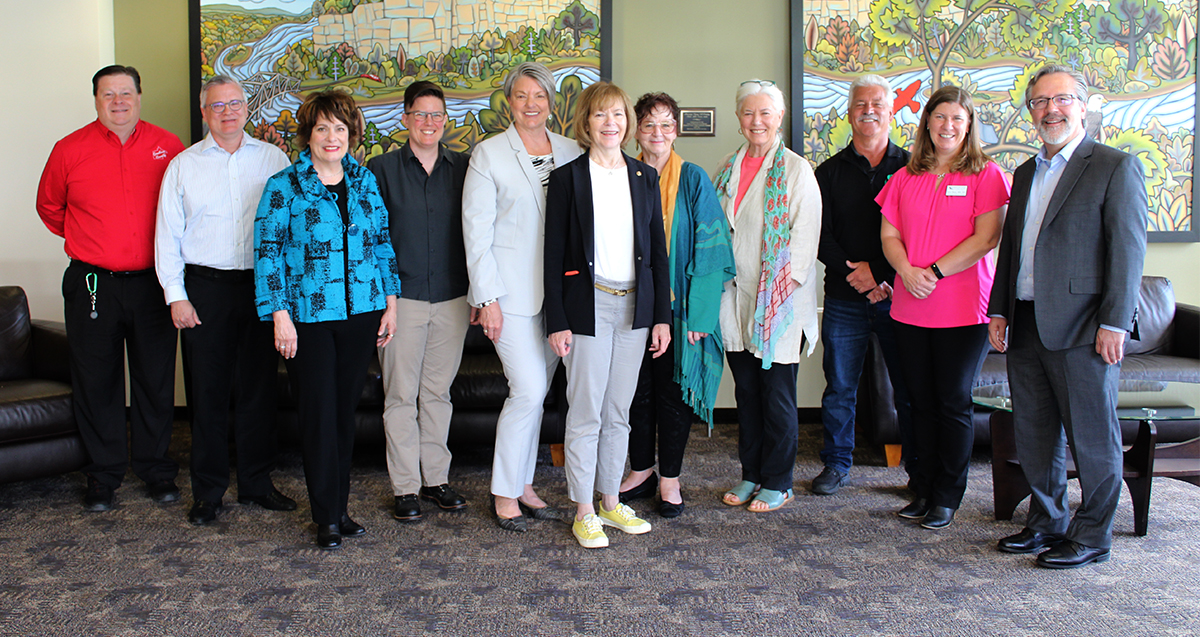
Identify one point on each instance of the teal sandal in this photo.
(742, 493)
(772, 498)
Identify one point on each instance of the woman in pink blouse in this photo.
(942, 215)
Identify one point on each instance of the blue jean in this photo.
(846, 327)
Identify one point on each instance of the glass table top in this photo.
(1136, 400)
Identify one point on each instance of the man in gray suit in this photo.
(1064, 297)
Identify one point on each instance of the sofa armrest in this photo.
(51, 355)
(1186, 340)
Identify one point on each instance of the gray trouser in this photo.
(529, 366)
(419, 366)
(602, 373)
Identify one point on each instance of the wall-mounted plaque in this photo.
(697, 122)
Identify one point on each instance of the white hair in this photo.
(870, 79)
(759, 87)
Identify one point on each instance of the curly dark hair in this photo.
(333, 104)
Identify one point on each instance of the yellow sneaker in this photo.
(623, 518)
(589, 532)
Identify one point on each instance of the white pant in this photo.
(529, 366)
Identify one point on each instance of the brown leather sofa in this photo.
(478, 393)
(1168, 350)
(38, 434)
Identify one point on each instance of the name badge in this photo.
(956, 191)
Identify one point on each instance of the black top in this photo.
(425, 220)
(850, 218)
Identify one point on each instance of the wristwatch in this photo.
(487, 303)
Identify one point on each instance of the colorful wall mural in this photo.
(1137, 55)
(281, 50)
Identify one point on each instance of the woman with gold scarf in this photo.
(675, 389)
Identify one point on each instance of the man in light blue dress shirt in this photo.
(1064, 298)
(204, 257)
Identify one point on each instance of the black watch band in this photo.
(937, 272)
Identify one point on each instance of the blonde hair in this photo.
(971, 159)
(597, 97)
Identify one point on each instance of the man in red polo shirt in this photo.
(99, 191)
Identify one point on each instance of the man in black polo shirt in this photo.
(857, 276)
(422, 185)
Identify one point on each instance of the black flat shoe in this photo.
(328, 537)
(350, 528)
(916, 510)
(1028, 541)
(408, 509)
(203, 512)
(516, 525)
(543, 513)
(446, 498)
(937, 518)
(670, 509)
(644, 490)
(163, 491)
(272, 501)
(1071, 554)
(98, 497)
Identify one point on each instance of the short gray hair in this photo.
(1081, 87)
(760, 87)
(535, 71)
(218, 80)
(870, 79)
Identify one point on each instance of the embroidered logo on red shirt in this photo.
(159, 153)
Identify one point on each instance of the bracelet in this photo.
(487, 303)
(937, 272)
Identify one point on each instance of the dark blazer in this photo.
(570, 302)
(1089, 253)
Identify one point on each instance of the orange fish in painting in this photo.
(904, 98)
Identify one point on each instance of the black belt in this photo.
(119, 275)
(205, 272)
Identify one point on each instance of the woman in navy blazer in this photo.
(325, 273)
(606, 284)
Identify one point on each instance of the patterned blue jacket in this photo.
(301, 245)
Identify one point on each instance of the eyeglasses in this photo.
(436, 116)
(1039, 103)
(233, 105)
(758, 82)
(666, 127)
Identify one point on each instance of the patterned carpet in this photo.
(840, 565)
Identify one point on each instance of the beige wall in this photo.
(697, 50)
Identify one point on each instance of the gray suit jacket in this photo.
(504, 214)
(1089, 253)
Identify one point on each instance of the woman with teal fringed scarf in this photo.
(675, 389)
(769, 311)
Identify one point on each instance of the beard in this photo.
(1056, 134)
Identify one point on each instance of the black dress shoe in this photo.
(916, 510)
(350, 528)
(1071, 554)
(669, 509)
(516, 525)
(1028, 541)
(272, 501)
(937, 518)
(328, 537)
(644, 490)
(544, 513)
(203, 512)
(446, 498)
(98, 497)
(163, 491)
(408, 509)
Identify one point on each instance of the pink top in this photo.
(932, 219)
(750, 166)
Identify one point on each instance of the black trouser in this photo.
(132, 316)
(658, 408)
(328, 374)
(767, 421)
(940, 366)
(229, 355)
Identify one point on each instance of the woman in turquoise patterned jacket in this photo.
(325, 273)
